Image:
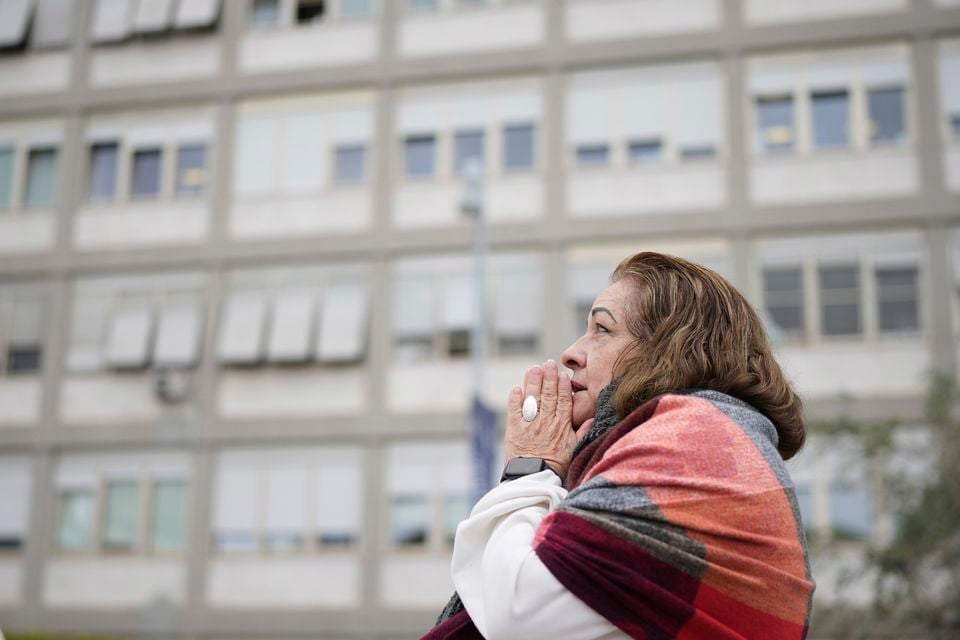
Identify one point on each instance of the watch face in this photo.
(524, 466)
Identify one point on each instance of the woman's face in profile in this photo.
(593, 356)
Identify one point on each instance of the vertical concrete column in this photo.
(40, 537)
(927, 107)
(939, 241)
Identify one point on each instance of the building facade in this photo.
(235, 284)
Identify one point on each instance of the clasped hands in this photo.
(550, 435)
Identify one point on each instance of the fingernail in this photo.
(551, 364)
(536, 370)
(516, 390)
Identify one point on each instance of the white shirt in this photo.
(504, 586)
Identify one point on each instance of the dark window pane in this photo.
(76, 520)
(168, 526)
(775, 118)
(788, 319)
(644, 151)
(41, 177)
(410, 520)
(594, 155)
(422, 5)
(830, 118)
(886, 115)
(805, 503)
(191, 170)
(955, 126)
(146, 173)
(517, 345)
(283, 541)
(6, 177)
(897, 299)
(265, 13)
(458, 342)
(456, 509)
(103, 171)
(468, 145)
(350, 163)
(420, 155)
(336, 539)
(840, 300)
(518, 143)
(309, 11)
(783, 297)
(786, 280)
(123, 512)
(10, 543)
(23, 358)
(698, 152)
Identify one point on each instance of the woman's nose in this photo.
(573, 357)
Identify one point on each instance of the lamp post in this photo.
(483, 421)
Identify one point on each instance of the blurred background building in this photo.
(235, 284)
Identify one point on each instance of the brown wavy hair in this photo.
(696, 330)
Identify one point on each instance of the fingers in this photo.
(564, 395)
(515, 402)
(548, 392)
(532, 382)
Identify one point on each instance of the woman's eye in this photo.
(602, 329)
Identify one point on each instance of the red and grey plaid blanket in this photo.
(681, 522)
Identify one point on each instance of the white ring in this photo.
(529, 409)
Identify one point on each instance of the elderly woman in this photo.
(646, 495)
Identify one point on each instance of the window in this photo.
(775, 120)
(24, 324)
(45, 24)
(420, 152)
(41, 177)
(265, 13)
(6, 177)
(886, 115)
(350, 163)
(698, 152)
(356, 8)
(805, 503)
(467, 145)
(122, 514)
(955, 127)
(15, 486)
(310, 11)
(410, 521)
(839, 300)
(191, 170)
(646, 151)
(146, 173)
(830, 119)
(456, 509)
(850, 512)
(168, 518)
(783, 298)
(423, 5)
(103, 171)
(593, 155)
(76, 520)
(518, 140)
(897, 299)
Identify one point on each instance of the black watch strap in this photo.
(519, 467)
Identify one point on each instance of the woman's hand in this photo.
(550, 436)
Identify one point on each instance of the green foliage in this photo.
(916, 574)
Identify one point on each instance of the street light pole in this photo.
(483, 421)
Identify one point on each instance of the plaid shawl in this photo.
(681, 522)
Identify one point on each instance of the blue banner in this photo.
(484, 447)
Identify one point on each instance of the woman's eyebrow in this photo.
(597, 310)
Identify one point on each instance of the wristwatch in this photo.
(519, 467)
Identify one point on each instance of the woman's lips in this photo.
(577, 386)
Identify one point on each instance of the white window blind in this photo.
(255, 171)
(15, 484)
(644, 111)
(589, 119)
(343, 326)
(518, 303)
(27, 324)
(53, 22)
(235, 508)
(241, 331)
(339, 497)
(291, 329)
(196, 14)
(153, 16)
(413, 307)
(14, 18)
(698, 108)
(305, 153)
(950, 80)
(111, 20)
(458, 303)
(286, 498)
(178, 337)
(128, 340)
(587, 281)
